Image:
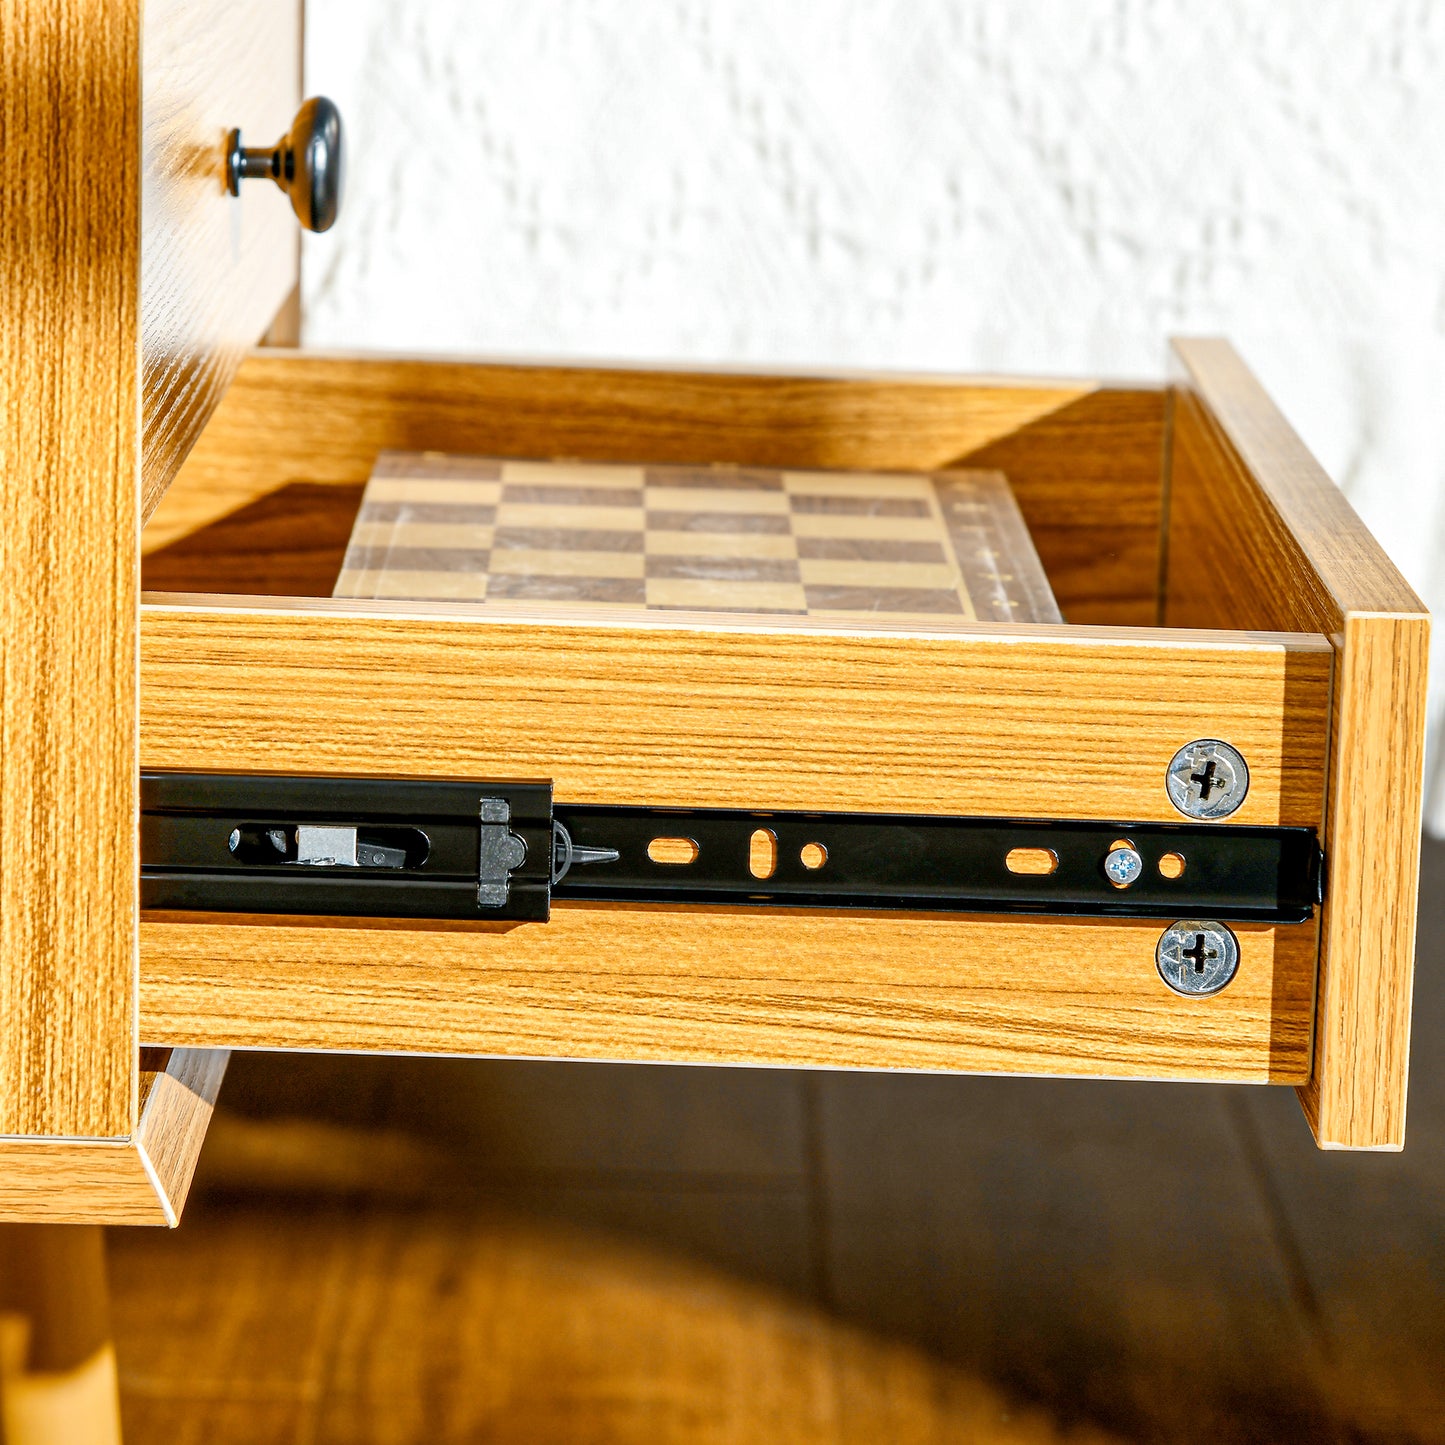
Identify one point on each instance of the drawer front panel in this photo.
(214, 268)
(1287, 550)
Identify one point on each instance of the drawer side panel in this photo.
(734, 985)
(683, 710)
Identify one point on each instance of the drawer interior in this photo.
(262, 508)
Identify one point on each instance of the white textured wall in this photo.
(944, 184)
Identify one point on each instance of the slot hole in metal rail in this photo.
(763, 853)
(1035, 862)
(673, 851)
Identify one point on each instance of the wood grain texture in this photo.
(1357, 1093)
(140, 1180)
(69, 399)
(688, 710)
(1068, 1238)
(215, 268)
(734, 985)
(289, 1318)
(173, 1127)
(1260, 537)
(1084, 460)
(1367, 1227)
(762, 712)
(1088, 481)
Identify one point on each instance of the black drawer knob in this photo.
(307, 163)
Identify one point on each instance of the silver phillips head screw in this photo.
(1196, 957)
(1207, 779)
(1123, 867)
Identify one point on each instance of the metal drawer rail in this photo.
(407, 848)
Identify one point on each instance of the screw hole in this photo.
(1120, 843)
(762, 853)
(1171, 866)
(673, 851)
(1034, 861)
(814, 855)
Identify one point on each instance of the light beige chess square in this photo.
(720, 499)
(529, 562)
(432, 489)
(752, 546)
(438, 586)
(859, 484)
(557, 517)
(571, 474)
(881, 529)
(706, 594)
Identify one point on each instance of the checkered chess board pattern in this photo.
(708, 539)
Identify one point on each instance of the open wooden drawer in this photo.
(1215, 585)
(1285, 632)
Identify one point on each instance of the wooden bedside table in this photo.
(1216, 584)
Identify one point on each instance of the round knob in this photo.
(307, 163)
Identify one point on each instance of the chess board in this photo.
(935, 547)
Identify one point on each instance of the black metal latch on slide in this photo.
(390, 848)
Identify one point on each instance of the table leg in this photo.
(57, 1358)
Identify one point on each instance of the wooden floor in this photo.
(441, 1251)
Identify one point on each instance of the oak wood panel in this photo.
(1341, 567)
(1260, 536)
(173, 1128)
(1088, 480)
(142, 1179)
(69, 302)
(1357, 1093)
(678, 709)
(215, 268)
(735, 985)
(1084, 460)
